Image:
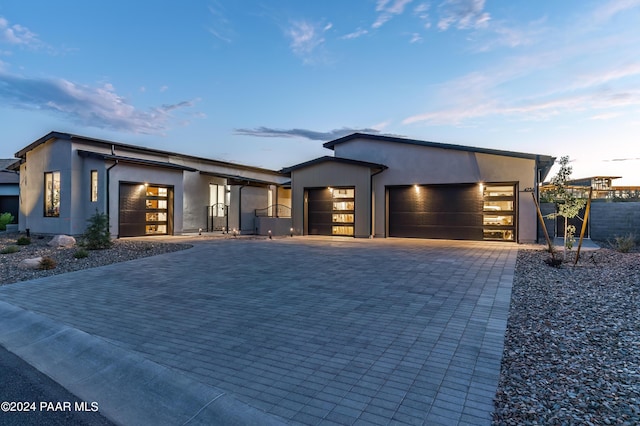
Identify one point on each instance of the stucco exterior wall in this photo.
(414, 164)
(129, 173)
(50, 157)
(333, 174)
(196, 199)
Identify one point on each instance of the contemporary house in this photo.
(9, 188)
(384, 186)
(66, 178)
(372, 186)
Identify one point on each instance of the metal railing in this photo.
(274, 210)
(218, 217)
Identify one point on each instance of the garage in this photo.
(330, 211)
(436, 211)
(145, 209)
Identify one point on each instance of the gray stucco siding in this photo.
(330, 174)
(127, 173)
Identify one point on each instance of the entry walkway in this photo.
(298, 330)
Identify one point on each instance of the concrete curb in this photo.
(128, 388)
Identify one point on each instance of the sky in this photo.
(267, 82)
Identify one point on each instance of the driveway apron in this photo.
(307, 330)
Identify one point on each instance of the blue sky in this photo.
(267, 82)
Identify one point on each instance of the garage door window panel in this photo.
(499, 212)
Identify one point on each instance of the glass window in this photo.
(343, 193)
(344, 218)
(498, 206)
(52, 194)
(343, 205)
(498, 191)
(343, 230)
(490, 219)
(94, 186)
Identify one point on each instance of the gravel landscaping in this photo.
(572, 346)
(64, 258)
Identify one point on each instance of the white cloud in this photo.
(606, 116)
(306, 37)
(220, 26)
(388, 9)
(17, 35)
(463, 14)
(99, 107)
(415, 38)
(357, 33)
(612, 8)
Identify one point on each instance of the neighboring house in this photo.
(602, 186)
(65, 179)
(386, 186)
(9, 188)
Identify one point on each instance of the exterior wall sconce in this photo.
(291, 231)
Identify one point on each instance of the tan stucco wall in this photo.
(332, 174)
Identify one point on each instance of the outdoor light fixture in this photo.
(270, 234)
(330, 189)
(481, 186)
(291, 231)
(417, 188)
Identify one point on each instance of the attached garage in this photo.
(436, 211)
(145, 210)
(331, 211)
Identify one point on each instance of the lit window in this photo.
(94, 186)
(52, 194)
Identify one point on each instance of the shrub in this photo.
(625, 243)
(23, 241)
(10, 249)
(5, 218)
(81, 254)
(97, 235)
(47, 263)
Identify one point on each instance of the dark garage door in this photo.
(436, 211)
(331, 211)
(145, 210)
(319, 207)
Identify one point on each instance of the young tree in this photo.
(568, 205)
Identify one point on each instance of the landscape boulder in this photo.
(65, 241)
(33, 263)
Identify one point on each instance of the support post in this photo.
(544, 227)
(587, 211)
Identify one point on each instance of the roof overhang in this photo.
(137, 161)
(545, 162)
(241, 180)
(375, 167)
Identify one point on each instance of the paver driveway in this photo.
(315, 331)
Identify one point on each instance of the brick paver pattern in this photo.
(316, 331)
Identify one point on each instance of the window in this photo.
(94, 186)
(52, 194)
(499, 213)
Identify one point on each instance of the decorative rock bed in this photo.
(64, 258)
(572, 346)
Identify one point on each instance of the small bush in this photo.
(47, 263)
(97, 235)
(81, 254)
(23, 241)
(10, 249)
(5, 219)
(625, 243)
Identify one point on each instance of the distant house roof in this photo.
(68, 136)
(8, 176)
(326, 158)
(545, 161)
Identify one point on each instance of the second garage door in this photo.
(436, 211)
